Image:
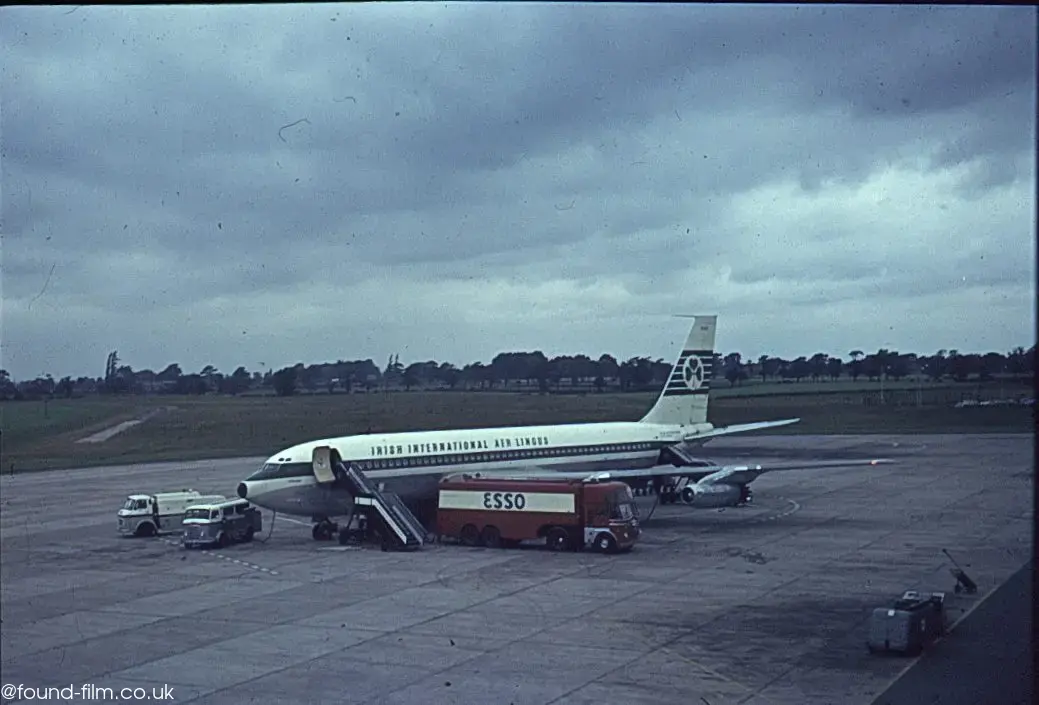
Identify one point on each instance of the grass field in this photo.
(40, 436)
(755, 387)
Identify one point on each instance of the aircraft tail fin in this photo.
(684, 397)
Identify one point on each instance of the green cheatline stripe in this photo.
(455, 459)
(488, 456)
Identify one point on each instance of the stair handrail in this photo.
(390, 505)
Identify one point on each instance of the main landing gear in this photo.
(326, 530)
(667, 492)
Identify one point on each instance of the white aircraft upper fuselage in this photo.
(411, 464)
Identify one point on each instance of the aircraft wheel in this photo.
(491, 537)
(558, 539)
(321, 532)
(470, 535)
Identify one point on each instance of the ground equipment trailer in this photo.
(567, 514)
(159, 513)
(911, 624)
(221, 523)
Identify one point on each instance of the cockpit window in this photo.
(272, 471)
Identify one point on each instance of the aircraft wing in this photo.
(745, 474)
(738, 428)
(707, 474)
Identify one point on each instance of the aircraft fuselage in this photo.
(411, 464)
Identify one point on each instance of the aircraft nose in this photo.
(243, 490)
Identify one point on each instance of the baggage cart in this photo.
(909, 625)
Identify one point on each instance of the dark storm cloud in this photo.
(602, 67)
(178, 155)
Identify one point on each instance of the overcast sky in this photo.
(247, 185)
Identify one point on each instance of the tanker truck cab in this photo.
(612, 518)
(159, 513)
(221, 523)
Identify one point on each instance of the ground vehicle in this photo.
(162, 512)
(568, 514)
(221, 523)
(910, 624)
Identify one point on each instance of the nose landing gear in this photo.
(324, 530)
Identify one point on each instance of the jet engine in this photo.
(714, 495)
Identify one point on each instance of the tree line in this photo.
(519, 371)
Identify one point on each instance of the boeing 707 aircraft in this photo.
(657, 450)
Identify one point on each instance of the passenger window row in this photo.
(463, 458)
(286, 470)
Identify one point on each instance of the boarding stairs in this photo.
(683, 455)
(400, 528)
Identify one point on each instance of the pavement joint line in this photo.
(664, 647)
(216, 554)
(476, 655)
(891, 533)
(541, 630)
(295, 521)
(794, 507)
(916, 659)
(707, 669)
(626, 665)
(683, 633)
(603, 567)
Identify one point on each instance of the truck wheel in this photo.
(470, 535)
(491, 537)
(558, 540)
(606, 543)
(249, 534)
(223, 541)
(146, 529)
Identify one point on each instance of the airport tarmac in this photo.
(760, 605)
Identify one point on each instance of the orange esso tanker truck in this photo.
(568, 514)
